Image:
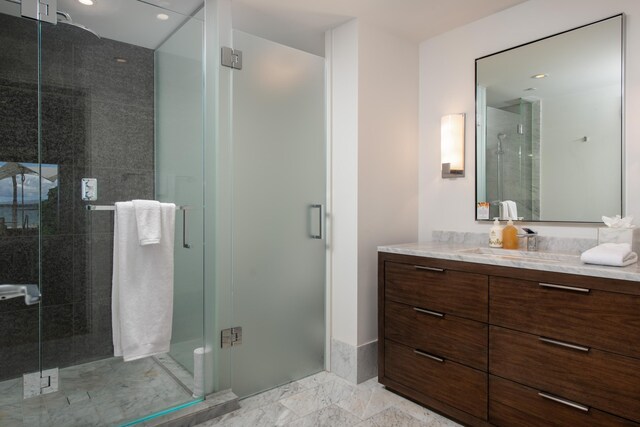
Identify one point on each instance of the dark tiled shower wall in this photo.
(97, 121)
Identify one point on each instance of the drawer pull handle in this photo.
(564, 288)
(564, 344)
(422, 267)
(430, 356)
(564, 401)
(429, 312)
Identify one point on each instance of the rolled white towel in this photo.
(513, 209)
(614, 254)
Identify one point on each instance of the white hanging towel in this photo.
(614, 254)
(142, 292)
(148, 221)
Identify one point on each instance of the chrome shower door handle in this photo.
(316, 233)
(184, 229)
(31, 293)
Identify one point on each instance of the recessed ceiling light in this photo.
(86, 2)
(529, 89)
(162, 16)
(539, 76)
(120, 60)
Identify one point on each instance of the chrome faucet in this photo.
(530, 239)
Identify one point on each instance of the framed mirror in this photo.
(549, 139)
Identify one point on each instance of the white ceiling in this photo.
(297, 23)
(302, 23)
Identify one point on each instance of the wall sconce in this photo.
(452, 145)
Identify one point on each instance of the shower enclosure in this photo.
(512, 157)
(117, 93)
(121, 104)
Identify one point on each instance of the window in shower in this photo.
(21, 187)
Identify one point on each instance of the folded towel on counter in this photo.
(513, 209)
(148, 221)
(614, 254)
(142, 292)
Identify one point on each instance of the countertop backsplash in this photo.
(545, 243)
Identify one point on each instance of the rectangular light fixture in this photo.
(452, 145)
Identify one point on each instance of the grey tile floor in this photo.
(325, 399)
(103, 393)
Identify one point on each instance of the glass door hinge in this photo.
(231, 337)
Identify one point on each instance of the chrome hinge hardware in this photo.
(41, 10)
(231, 58)
(231, 337)
(38, 383)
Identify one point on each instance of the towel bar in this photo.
(113, 208)
(184, 210)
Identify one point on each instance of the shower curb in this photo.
(214, 405)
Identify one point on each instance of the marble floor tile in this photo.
(322, 396)
(368, 400)
(391, 417)
(102, 393)
(316, 379)
(271, 396)
(274, 414)
(325, 399)
(331, 416)
(11, 415)
(10, 392)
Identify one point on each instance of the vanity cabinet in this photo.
(493, 345)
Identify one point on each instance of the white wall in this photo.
(387, 169)
(567, 162)
(374, 87)
(342, 47)
(447, 86)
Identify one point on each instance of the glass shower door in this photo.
(74, 105)
(278, 197)
(20, 228)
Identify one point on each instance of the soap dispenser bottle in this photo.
(495, 234)
(510, 236)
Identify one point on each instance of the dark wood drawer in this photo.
(606, 381)
(604, 320)
(455, 338)
(515, 405)
(455, 292)
(447, 381)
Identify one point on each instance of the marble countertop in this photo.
(546, 261)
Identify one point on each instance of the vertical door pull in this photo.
(317, 235)
(184, 229)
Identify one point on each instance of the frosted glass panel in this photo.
(279, 172)
(179, 176)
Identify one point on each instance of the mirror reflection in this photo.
(549, 130)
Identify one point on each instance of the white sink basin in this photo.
(520, 255)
